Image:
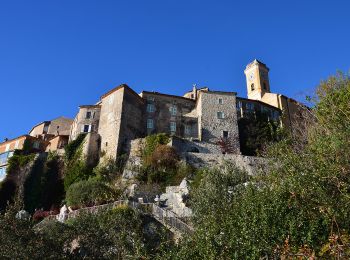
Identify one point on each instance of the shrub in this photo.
(76, 168)
(152, 141)
(90, 192)
(163, 157)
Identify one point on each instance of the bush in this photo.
(163, 158)
(152, 141)
(90, 192)
(76, 168)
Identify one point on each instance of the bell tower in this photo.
(257, 76)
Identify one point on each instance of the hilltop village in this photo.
(196, 121)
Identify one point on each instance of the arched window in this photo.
(252, 87)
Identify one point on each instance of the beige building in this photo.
(258, 87)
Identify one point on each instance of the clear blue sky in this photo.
(58, 54)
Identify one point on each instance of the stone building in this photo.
(8, 147)
(258, 88)
(198, 119)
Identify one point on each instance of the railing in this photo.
(166, 217)
(170, 219)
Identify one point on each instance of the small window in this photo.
(225, 134)
(239, 104)
(250, 106)
(150, 108)
(150, 124)
(36, 145)
(192, 96)
(173, 110)
(150, 98)
(221, 101)
(173, 127)
(187, 130)
(85, 128)
(220, 115)
(88, 115)
(264, 86)
(252, 87)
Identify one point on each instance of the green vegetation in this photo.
(91, 192)
(161, 163)
(114, 234)
(256, 132)
(301, 206)
(76, 168)
(152, 141)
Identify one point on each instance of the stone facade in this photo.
(199, 119)
(48, 129)
(86, 121)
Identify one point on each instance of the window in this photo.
(220, 115)
(2, 173)
(238, 104)
(264, 86)
(150, 124)
(221, 101)
(88, 115)
(192, 96)
(150, 98)
(225, 134)
(172, 127)
(150, 108)
(250, 106)
(36, 145)
(187, 130)
(173, 110)
(252, 87)
(85, 128)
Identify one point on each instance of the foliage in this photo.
(90, 192)
(111, 168)
(301, 206)
(163, 157)
(70, 150)
(226, 145)
(152, 141)
(120, 233)
(76, 168)
(256, 132)
(43, 187)
(19, 160)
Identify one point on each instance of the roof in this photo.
(255, 61)
(258, 101)
(167, 95)
(125, 86)
(220, 92)
(13, 139)
(90, 106)
(50, 122)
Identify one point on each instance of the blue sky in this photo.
(56, 55)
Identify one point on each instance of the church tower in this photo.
(257, 76)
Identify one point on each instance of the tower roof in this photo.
(256, 62)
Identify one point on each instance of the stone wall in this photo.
(249, 163)
(211, 128)
(81, 120)
(110, 121)
(91, 149)
(186, 125)
(132, 120)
